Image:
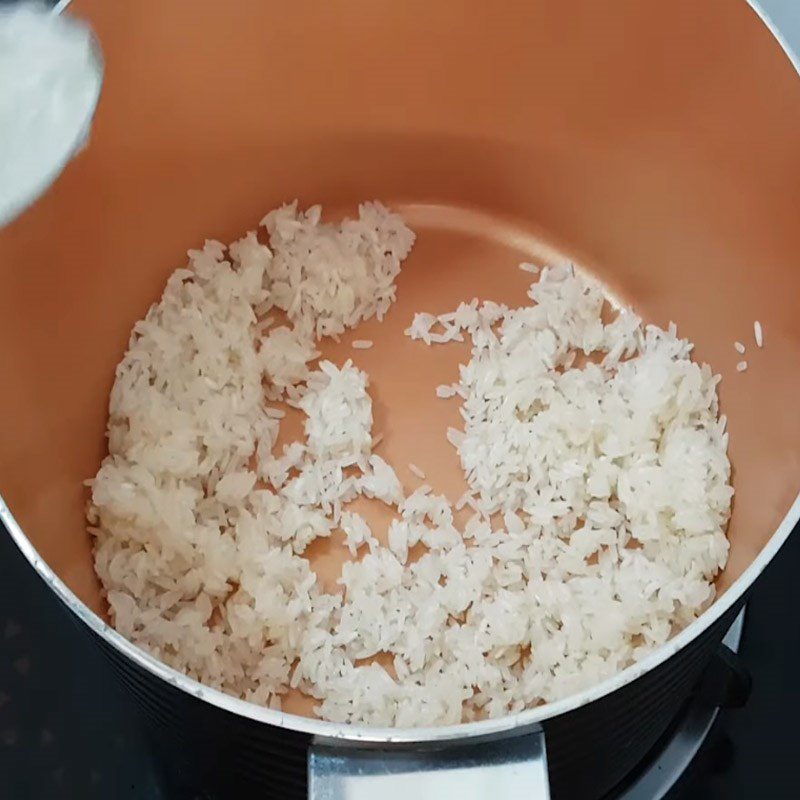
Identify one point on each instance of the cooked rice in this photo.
(357, 531)
(331, 277)
(361, 344)
(415, 470)
(599, 493)
(741, 366)
(759, 333)
(739, 347)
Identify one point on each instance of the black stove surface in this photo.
(67, 730)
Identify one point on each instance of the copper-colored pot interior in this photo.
(657, 144)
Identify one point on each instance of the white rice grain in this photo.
(201, 526)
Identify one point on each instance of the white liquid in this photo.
(50, 78)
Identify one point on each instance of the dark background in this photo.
(67, 731)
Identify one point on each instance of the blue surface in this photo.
(785, 15)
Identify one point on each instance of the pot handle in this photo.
(511, 768)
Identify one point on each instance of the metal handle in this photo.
(512, 768)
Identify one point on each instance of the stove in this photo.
(68, 731)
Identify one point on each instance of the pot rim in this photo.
(344, 733)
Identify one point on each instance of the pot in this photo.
(656, 145)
